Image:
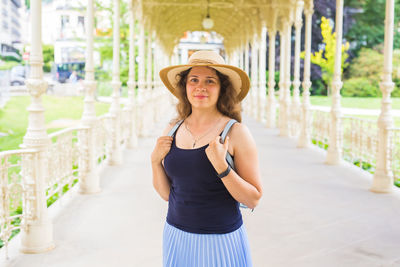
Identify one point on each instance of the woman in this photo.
(204, 225)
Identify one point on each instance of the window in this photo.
(64, 20)
(81, 20)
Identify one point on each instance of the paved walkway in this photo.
(311, 215)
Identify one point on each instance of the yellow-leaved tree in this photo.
(325, 58)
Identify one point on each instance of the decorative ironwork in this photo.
(17, 187)
(63, 162)
(395, 154)
(360, 142)
(320, 128)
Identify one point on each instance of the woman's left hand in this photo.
(216, 153)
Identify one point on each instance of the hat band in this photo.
(201, 61)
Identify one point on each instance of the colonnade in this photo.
(146, 104)
(295, 116)
(146, 100)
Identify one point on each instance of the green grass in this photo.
(14, 116)
(355, 102)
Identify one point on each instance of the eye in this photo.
(193, 80)
(210, 81)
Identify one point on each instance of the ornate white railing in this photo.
(320, 127)
(360, 142)
(66, 154)
(395, 144)
(103, 137)
(126, 127)
(295, 122)
(17, 187)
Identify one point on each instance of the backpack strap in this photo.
(225, 132)
(173, 129)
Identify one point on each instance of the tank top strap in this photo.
(174, 129)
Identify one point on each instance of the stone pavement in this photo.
(311, 214)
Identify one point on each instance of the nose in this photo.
(201, 86)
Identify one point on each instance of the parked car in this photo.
(64, 71)
(18, 75)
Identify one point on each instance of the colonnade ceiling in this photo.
(237, 21)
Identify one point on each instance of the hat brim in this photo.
(239, 79)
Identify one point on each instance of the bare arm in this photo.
(161, 182)
(244, 184)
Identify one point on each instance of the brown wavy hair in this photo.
(228, 103)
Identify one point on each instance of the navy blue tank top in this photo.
(198, 200)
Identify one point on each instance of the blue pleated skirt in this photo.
(184, 249)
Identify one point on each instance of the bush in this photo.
(360, 87)
(318, 87)
(365, 74)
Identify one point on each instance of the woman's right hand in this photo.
(162, 148)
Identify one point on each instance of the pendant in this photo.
(194, 144)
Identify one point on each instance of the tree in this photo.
(325, 58)
(48, 57)
(369, 27)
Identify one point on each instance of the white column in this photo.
(305, 129)
(89, 178)
(132, 105)
(282, 63)
(148, 107)
(149, 70)
(287, 82)
(246, 58)
(271, 105)
(184, 55)
(254, 77)
(141, 77)
(295, 108)
(37, 236)
(334, 154)
(262, 73)
(241, 63)
(383, 176)
(115, 109)
(247, 100)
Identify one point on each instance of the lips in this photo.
(200, 96)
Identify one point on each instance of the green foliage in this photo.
(106, 48)
(8, 65)
(326, 58)
(56, 108)
(276, 78)
(10, 59)
(318, 88)
(48, 57)
(365, 74)
(360, 87)
(369, 28)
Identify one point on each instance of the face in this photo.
(202, 87)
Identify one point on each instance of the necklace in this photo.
(198, 138)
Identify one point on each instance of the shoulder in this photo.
(241, 137)
(170, 125)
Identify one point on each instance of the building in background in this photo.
(64, 26)
(199, 40)
(11, 28)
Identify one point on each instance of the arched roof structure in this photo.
(235, 20)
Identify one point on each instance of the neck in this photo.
(204, 116)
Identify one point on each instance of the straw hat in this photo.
(238, 77)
